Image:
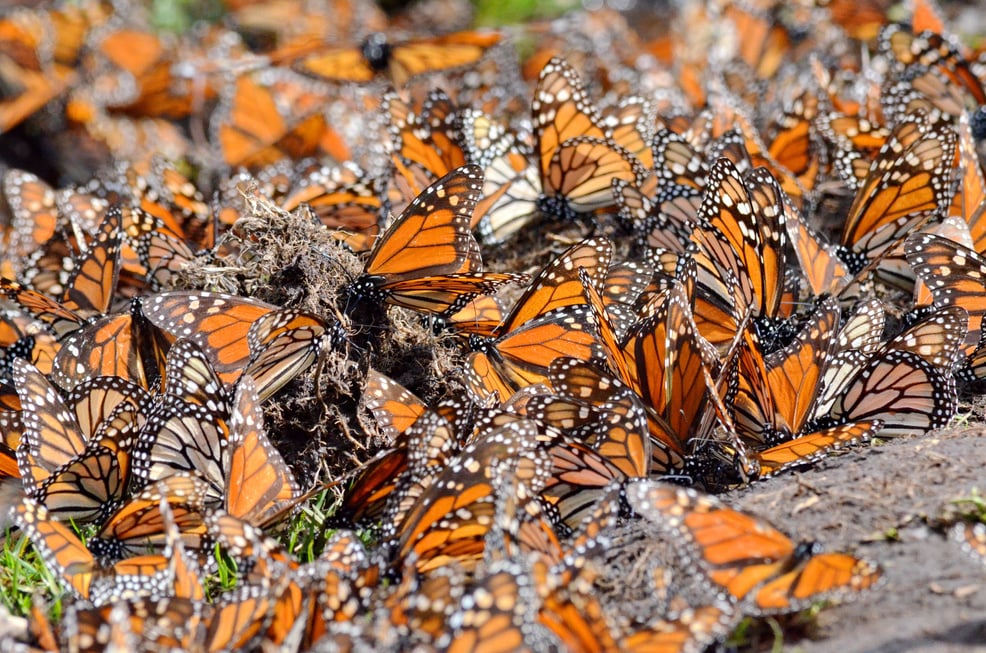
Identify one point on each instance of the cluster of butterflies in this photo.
(246, 91)
(704, 333)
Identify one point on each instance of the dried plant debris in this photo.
(376, 331)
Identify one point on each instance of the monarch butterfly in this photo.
(831, 269)
(864, 329)
(451, 517)
(754, 565)
(747, 146)
(107, 345)
(630, 124)
(343, 198)
(251, 129)
(11, 431)
(741, 259)
(134, 623)
(512, 185)
(480, 317)
(775, 397)
(65, 554)
(50, 268)
(695, 629)
(437, 594)
(161, 252)
(245, 542)
(344, 568)
(401, 61)
(766, 41)
(29, 80)
(916, 364)
(570, 607)
(523, 525)
(919, 397)
(395, 409)
(283, 344)
(501, 623)
(242, 616)
(908, 184)
(663, 209)
(184, 436)
(259, 483)
(856, 140)
(953, 274)
(821, 262)
(266, 25)
(34, 216)
(906, 49)
(660, 356)
(122, 345)
(295, 588)
(172, 198)
(578, 478)
(937, 338)
(428, 260)
(139, 77)
(163, 234)
(271, 568)
(969, 201)
(575, 477)
(794, 144)
(430, 442)
(558, 284)
(90, 485)
(240, 334)
(927, 90)
(84, 207)
(629, 286)
(239, 618)
(619, 431)
(78, 468)
(680, 162)
(426, 147)
(90, 286)
(549, 319)
(140, 526)
(21, 336)
(861, 21)
(813, 446)
(577, 158)
(483, 380)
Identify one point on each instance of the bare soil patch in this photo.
(892, 503)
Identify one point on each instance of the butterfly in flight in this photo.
(398, 61)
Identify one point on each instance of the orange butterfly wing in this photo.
(907, 185)
(258, 481)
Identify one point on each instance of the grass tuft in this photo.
(23, 576)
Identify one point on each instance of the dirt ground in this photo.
(889, 503)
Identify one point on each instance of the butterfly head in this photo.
(376, 50)
(805, 550)
(978, 124)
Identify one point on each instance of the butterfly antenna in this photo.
(336, 263)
